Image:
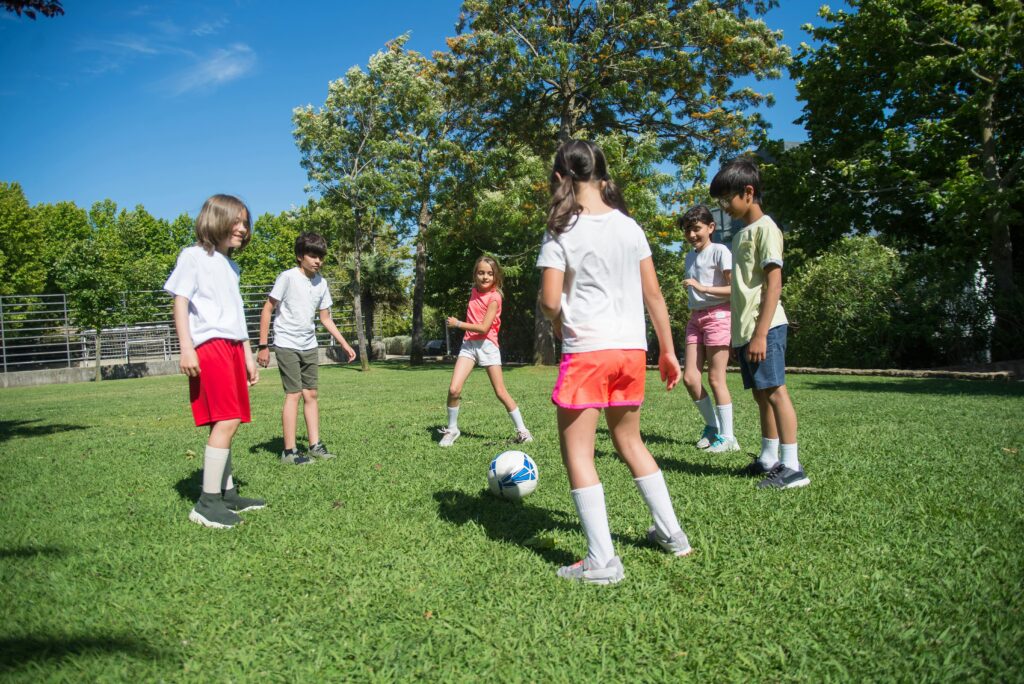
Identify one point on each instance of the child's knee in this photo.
(309, 395)
(454, 394)
(692, 380)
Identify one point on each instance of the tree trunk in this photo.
(369, 310)
(419, 278)
(357, 296)
(99, 355)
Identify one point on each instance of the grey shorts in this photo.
(772, 371)
(299, 369)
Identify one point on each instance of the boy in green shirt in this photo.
(759, 324)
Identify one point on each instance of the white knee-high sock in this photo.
(724, 419)
(227, 482)
(707, 411)
(655, 494)
(517, 418)
(214, 461)
(594, 518)
(453, 417)
(769, 452)
(790, 456)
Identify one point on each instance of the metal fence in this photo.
(40, 331)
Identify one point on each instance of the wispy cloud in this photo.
(209, 28)
(220, 67)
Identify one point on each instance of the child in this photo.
(480, 346)
(708, 276)
(759, 324)
(597, 275)
(299, 294)
(215, 352)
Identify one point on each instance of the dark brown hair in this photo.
(697, 214)
(310, 243)
(578, 161)
(216, 219)
(734, 176)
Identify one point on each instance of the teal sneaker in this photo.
(240, 504)
(210, 511)
(706, 437)
(721, 445)
(319, 450)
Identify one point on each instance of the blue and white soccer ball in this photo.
(512, 475)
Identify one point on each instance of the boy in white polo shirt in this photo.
(300, 294)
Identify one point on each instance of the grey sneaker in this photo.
(319, 450)
(583, 572)
(720, 445)
(448, 436)
(706, 437)
(677, 544)
(293, 457)
(782, 477)
(240, 504)
(522, 436)
(210, 511)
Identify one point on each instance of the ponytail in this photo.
(578, 161)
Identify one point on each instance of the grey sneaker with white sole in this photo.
(210, 511)
(583, 571)
(677, 544)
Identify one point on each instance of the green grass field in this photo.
(904, 559)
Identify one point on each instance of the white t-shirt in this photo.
(602, 298)
(210, 283)
(708, 267)
(299, 301)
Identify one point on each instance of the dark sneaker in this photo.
(210, 511)
(758, 469)
(240, 504)
(582, 571)
(293, 457)
(677, 544)
(784, 478)
(319, 450)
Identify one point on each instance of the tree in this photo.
(64, 224)
(48, 8)
(913, 109)
(22, 270)
(545, 71)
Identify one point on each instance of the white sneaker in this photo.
(448, 436)
(706, 437)
(522, 436)
(720, 445)
(581, 571)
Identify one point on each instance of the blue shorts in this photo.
(772, 371)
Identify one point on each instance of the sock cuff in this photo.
(217, 451)
(656, 475)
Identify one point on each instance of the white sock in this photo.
(227, 482)
(769, 452)
(517, 418)
(453, 417)
(594, 518)
(725, 419)
(707, 411)
(790, 459)
(214, 461)
(655, 494)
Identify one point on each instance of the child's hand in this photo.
(252, 371)
(757, 349)
(668, 364)
(349, 351)
(692, 282)
(263, 357)
(189, 363)
(452, 322)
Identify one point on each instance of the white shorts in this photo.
(483, 352)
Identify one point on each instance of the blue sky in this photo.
(165, 103)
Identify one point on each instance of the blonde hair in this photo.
(499, 275)
(216, 219)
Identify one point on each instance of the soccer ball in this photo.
(512, 475)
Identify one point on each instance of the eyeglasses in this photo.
(724, 202)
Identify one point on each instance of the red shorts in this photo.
(221, 392)
(710, 327)
(599, 379)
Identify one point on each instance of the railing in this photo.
(41, 331)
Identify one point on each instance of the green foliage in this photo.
(22, 264)
(390, 563)
(842, 304)
(64, 224)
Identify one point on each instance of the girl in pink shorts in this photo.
(597, 276)
(708, 271)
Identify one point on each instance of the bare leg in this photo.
(781, 406)
(576, 432)
(718, 361)
(290, 419)
(769, 428)
(624, 425)
(498, 383)
(311, 412)
(693, 364)
(463, 367)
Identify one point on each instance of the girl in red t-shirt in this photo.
(480, 347)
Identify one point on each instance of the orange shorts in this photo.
(599, 379)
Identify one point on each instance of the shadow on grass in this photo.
(32, 552)
(921, 386)
(699, 469)
(18, 651)
(24, 428)
(190, 487)
(505, 520)
(273, 446)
